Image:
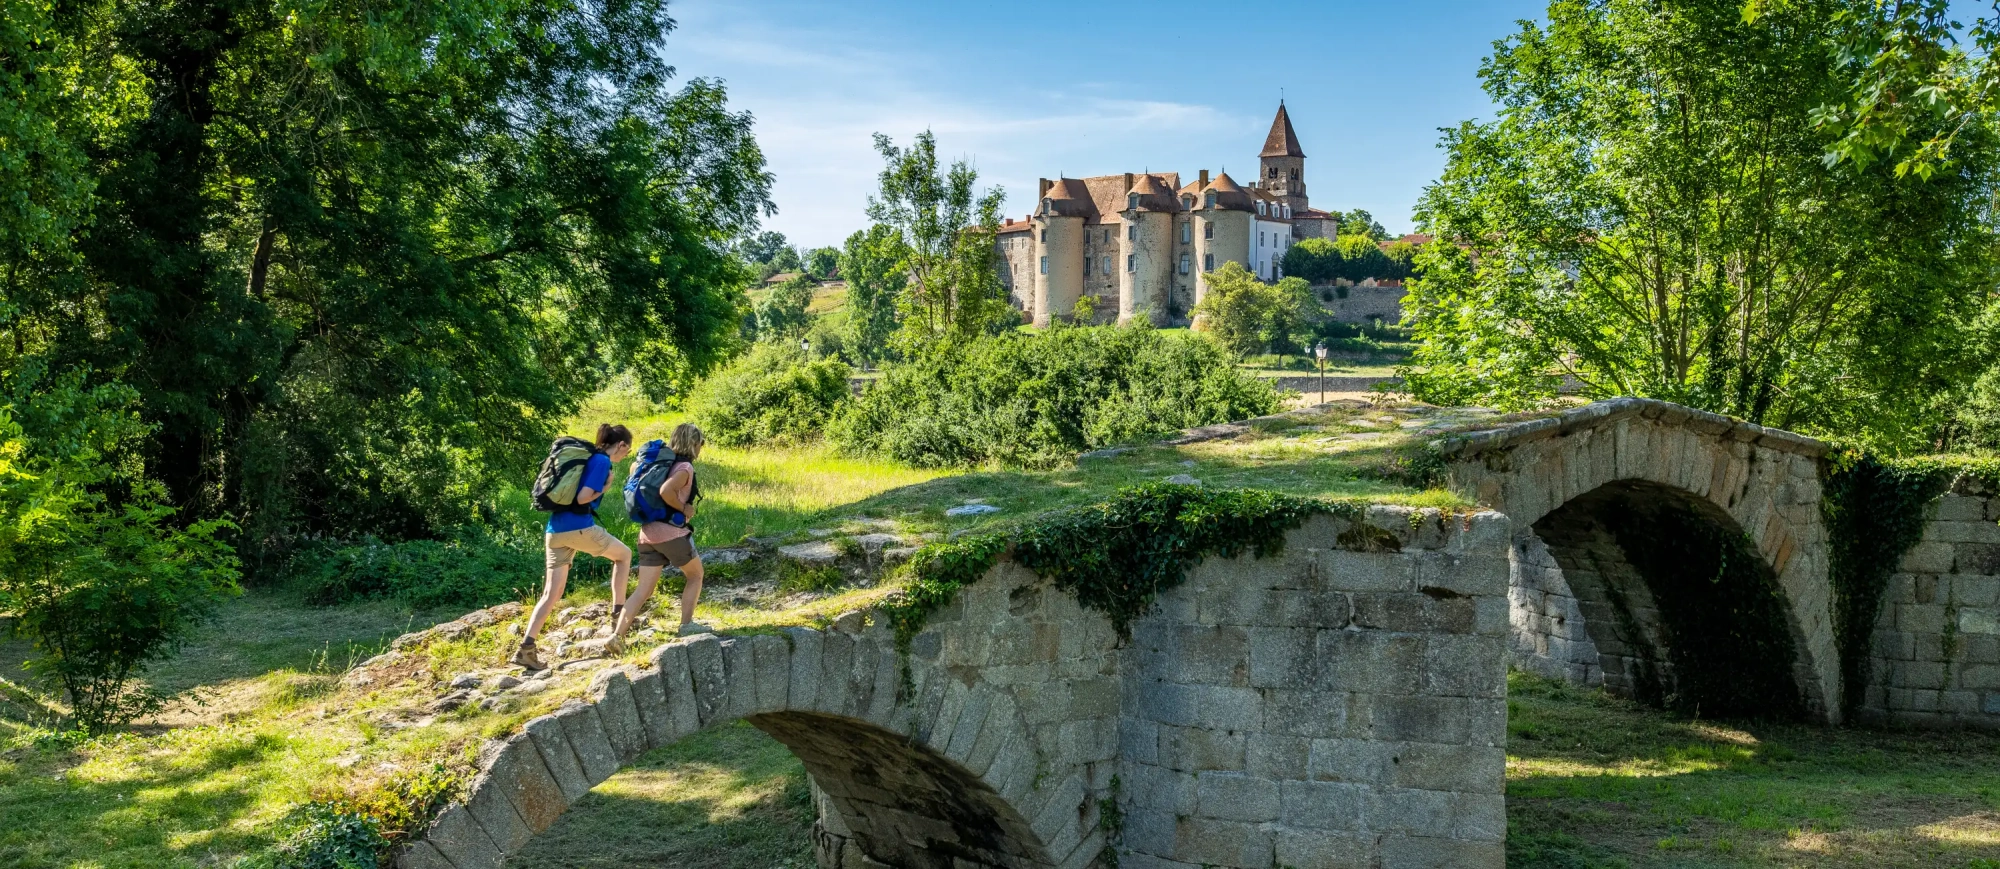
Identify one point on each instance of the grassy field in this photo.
(1597, 782)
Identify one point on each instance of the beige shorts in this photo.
(677, 552)
(562, 548)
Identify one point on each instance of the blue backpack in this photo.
(642, 487)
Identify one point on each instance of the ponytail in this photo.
(609, 435)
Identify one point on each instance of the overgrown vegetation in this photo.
(475, 568)
(1115, 557)
(1036, 401)
(772, 394)
(1875, 510)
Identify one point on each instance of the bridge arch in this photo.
(1585, 604)
(968, 752)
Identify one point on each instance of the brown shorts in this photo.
(559, 549)
(677, 552)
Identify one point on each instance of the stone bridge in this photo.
(1340, 704)
(1597, 493)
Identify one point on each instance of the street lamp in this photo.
(1319, 352)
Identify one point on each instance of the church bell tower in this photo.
(1283, 162)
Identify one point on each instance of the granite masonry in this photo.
(1580, 610)
(1937, 639)
(1340, 704)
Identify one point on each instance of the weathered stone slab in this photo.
(681, 713)
(461, 840)
(496, 814)
(587, 737)
(421, 855)
(518, 772)
(772, 658)
(711, 685)
(808, 650)
(552, 740)
(739, 678)
(618, 711)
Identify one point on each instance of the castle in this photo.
(1142, 245)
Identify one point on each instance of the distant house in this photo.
(780, 278)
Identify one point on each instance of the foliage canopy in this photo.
(1651, 214)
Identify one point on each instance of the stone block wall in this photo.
(1331, 707)
(1937, 640)
(1364, 303)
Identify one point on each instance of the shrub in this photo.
(1036, 400)
(474, 568)
(93, 566)
(772, 393)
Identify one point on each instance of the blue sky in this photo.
(1028, 89)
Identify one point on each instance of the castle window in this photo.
(1211, 199)
(1186, 263)
(1045, 236)
(1132, 232)
(1132, 201)
(1187, 202)
(1260, 239)
(1131, 262)
(1107, 235)
(1045, 265)
(1048, 206)
(1187, 233)
(1208, 262)
(1086, 266)
(1107, 266)
(1274, 171)
(1260, 208)
(1208, 230)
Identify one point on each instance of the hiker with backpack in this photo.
(569, 488)
(660, 496)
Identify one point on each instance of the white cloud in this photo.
(819, 97)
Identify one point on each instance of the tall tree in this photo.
(1651, 214)
(872, 264)
(350, 261)
(946, 227)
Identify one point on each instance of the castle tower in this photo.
(1059, 235)
(1283, 163)
(1146, 280)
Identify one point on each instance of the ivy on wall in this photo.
(1875, 510)
(1115, 557)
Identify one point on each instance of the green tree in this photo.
(1362, 258)
(946, 228)
(1249, 316)
(356, 264)
(1360, 222)
(1914, 79)
(1314, 259)
(823, 262)
(872, 262)
(1651, 214)
(781, 315)
(765, 247)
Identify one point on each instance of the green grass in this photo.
(1593, 781)
(729, 798)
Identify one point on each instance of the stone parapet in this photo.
(1936, 653)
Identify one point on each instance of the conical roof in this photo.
(1282, 142)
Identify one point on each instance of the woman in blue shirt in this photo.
(570, 532)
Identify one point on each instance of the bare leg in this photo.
(691, 592)
(648, 578)
(621, 567)
(552, 590)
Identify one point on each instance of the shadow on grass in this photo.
(193, 804)
(730, 798)
(1598, 782)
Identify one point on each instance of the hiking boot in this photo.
(692, 628)
(614, 646)
(528, 658)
